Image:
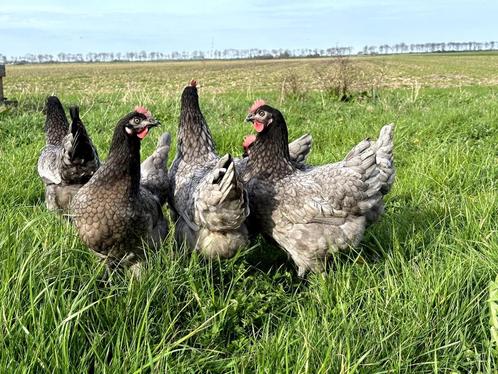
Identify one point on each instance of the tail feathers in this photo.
(82, 149)
(300, 148)
(384, 158)
(354, 157)
(361, 159)
(154, 171)
(80, 159)
(374, 160)
(221, 202)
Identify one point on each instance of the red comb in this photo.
(143, 110)
(258, 103)
(193, 83)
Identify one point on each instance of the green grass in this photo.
(412, 298)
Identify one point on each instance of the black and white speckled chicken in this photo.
(321, 209)
(118, 213)
(68, 159)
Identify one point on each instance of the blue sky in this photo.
(53, 26)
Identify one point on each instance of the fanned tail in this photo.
(374, 161)
(220, 201)
(300, 148)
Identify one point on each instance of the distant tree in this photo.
(231, 53)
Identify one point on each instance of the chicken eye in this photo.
(261, 113)
(136, 121)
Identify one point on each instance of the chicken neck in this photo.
(269, 154)
(123, 162)
(56, 125)
(194, 138)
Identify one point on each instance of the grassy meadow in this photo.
(414, 297)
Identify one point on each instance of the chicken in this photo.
(319, 210)
(69, 158)
(207, 196)
(116, 215)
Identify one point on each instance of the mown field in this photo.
(414, 297)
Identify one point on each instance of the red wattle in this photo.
(248, 140)
(143, 133)
(258, 126)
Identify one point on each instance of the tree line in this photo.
(253, 53)
(429, 47)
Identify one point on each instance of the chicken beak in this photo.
(250, 117)
(152, 123)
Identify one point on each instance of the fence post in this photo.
(2, 74)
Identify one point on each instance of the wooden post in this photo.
(2, 74)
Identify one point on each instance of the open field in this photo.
(412, 298)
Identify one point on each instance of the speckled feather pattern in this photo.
(114, 214)
(114, 224)
(206, 190)
(153, 171)
(59, 166)
(56, 125)
(321, 209)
